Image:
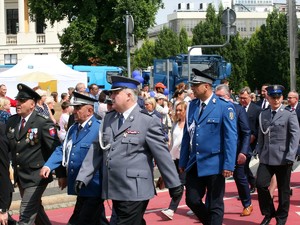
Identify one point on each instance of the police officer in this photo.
(278, 139)
(130, 138)
(80, 136)
(208, 150)
(32, 139)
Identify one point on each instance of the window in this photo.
(12, 18)
(40, 25)
(10, 59)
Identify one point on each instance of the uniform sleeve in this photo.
(49, 138)
(55, 159)
(185, 148)
(5, 183)
(156, 142)
(230, 137)
(91, 164)
(294, 133)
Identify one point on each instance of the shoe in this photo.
(291, 192)
(168, 213)
(247, 211)
(266, 220)
(252, 190)
(190, 213)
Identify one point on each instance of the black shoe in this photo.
(291, 192)
(252, 190)
(266, 220)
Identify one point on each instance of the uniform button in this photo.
(17, 153)
(38, 164)
(71, 161)
(73, 154)
(197, 153)
(74, 146)
(18, 142)
(109, 168)
(197, 135)
(197, 144)
(109, 158)
(18, 166)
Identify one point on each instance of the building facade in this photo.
(19, 36)
(250, 15)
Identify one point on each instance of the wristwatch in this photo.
(2, 211)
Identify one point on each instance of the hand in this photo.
(3, 218)
(78, 185)
(289, 162)
(241, 159)
(45, 171)
(227, 173)
(176, 192)
(62, 183)
(181, 170)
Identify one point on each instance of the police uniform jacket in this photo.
(210, 141)
(6, 187)
(128, 162)
(31, 147)
(79, 149)
(278, 138)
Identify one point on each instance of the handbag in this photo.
(160, 184)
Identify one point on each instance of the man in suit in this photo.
(263, 102)
(253, 112)
(278, 140)
(293, 100)
(208, 150)
(244, 133)
(6, 188)
(81, 135)
(130, 138)
(32, 139)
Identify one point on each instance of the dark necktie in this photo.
(79, 128)
(23, 121)
(273, 114)
(121, 120)
(202, 109)
(264, 104)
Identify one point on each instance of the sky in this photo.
(171, 5)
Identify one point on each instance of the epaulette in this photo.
(42, 115)
(288, 108)
(144, 111)
(110, 111)
(224, 99)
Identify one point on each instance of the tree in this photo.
(184, 42)
(268, 52)
(167, 44)
(97, 31)
(143, 57)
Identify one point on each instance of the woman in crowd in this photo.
(176, 137)
(4, 109)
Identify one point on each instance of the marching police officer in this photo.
(208, 150)
(32, 139)
(278, 139)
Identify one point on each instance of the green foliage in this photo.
(97, 31)
(268, 53)
(167, 44)
(143, 57)
(184, 42)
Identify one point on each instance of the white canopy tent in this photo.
(47, 71)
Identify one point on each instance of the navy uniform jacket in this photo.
(79, 149)
(243, 130)
(31, 148)
(128, 161)
(210, 141)
(253, 114)
(278, 139)
(6, 187)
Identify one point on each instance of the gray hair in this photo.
(245, 89)
(223, 87)
(134, 93)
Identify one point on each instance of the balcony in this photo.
(41, 39)
(11, 39)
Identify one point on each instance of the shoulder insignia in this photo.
(144, 111)
(44, 116)
(110, 111)
(214, 100)
(52, 131)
